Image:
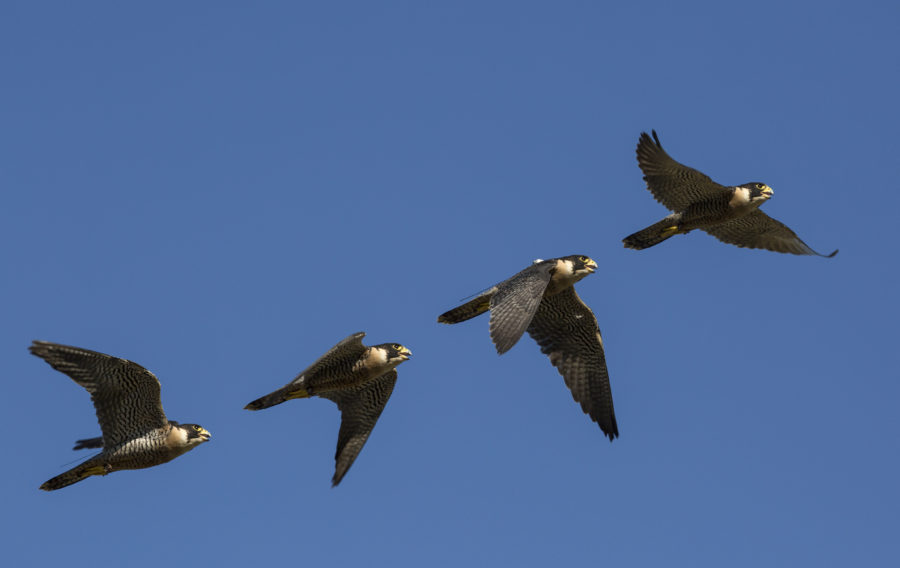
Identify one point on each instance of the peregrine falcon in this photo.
(542, 300)
(731, 214)
(136, 433)
(358, 379)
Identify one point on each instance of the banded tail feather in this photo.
(74, 475)
(652, 235)
(277, 397)
(469, 310)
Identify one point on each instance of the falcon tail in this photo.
(281, 395)
(74, 475)
(652, 235)
(88, 443)
(467, 311)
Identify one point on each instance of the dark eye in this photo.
(759, 186)
(583, 258)
(397, 346)
(197, 428)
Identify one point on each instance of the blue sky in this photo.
(220, 192)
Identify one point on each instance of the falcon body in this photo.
(126, 397)
(542, 300)
(358, 379)
(731, 214)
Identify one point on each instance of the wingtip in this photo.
(645, 140)
(611, 428)
(501, 349)
(37, 346)
(832, 254)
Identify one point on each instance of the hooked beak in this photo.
(205, 435)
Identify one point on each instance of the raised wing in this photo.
(348, 349)
(360, 408)
(673, 184)
(125, 395)
(567, 331)
(758, 230)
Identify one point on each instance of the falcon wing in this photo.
(125, 395)
(673, 184)
(348, 349)
(515, 302)
(758, 230)
(360, 408)
(567, 332)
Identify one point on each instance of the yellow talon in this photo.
(669, 230)
(302, 393)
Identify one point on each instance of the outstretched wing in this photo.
(567, 332)
(515, 302)
(673, 184)
(348, 349)
(125, 395)
(758, 230)
(360, 408)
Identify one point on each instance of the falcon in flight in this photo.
(542, 300)
(358, 379)
(731, 214)
(136, 433)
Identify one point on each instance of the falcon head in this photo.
(569, 270)
(574, 267)
(388, 354)
(394, 353)
(755, 192)
(380, 359)
(191, 434)
(582, 265)
(760, 192)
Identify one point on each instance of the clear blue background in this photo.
(221, 191)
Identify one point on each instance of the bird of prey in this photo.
(358, 379)
(542, 300)
(136, 433)
(731, 214)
